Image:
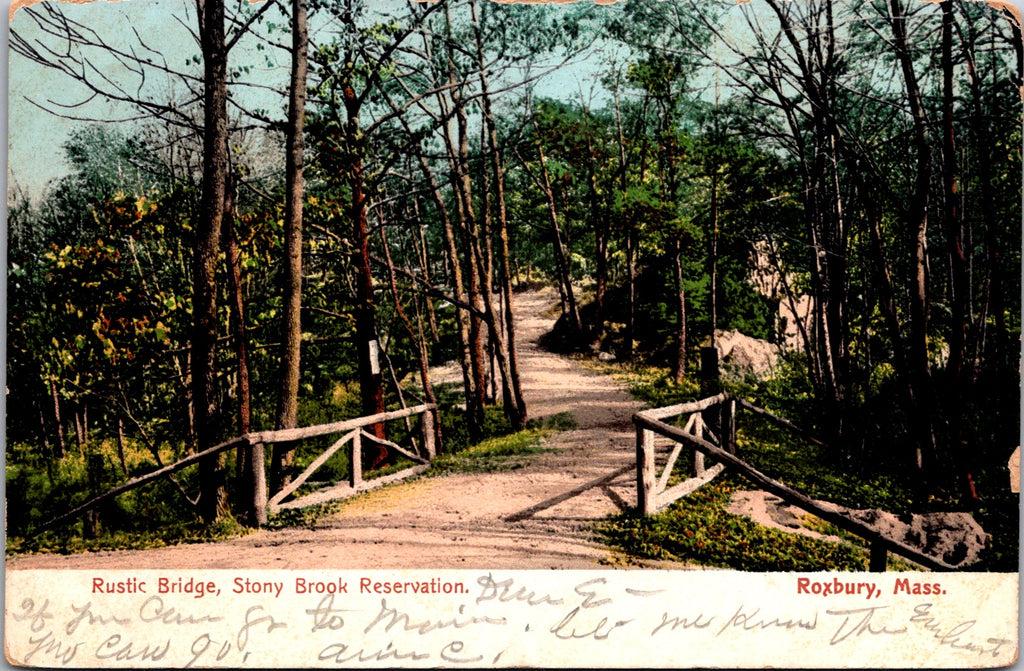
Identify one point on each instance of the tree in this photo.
(204, 266)
(288, 402)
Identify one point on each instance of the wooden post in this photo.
(427, 429)
(94, 473)
(698, 456)
(729, 426)
(710, 385)
(257, 475)
(645, 495)
(878, 557)
(355, 455)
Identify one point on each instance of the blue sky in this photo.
(35, 138)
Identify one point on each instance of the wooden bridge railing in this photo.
(699, 434)
(354, 434)
(256, 503)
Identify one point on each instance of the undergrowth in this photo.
(71, 539)
(698, 529)
(503, 453)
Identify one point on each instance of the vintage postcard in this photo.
(381, 333)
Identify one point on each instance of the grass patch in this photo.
(306, 517)
(562, 421)
(504, 453)
(71, 541)
(809, 468)
(698, 529)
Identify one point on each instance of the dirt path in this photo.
(540, 516)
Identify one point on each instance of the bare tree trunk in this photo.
(371, 389)
(419, 240)
(599, 224)
(80, 432)
(120, 446)
(600, 278)
(679, 371)
(453, 265)
(44, 435)
(926, 456)
(233, 256)
(416, 337)
(631, 244)
(713, 288)
(477, 398)
(213, 499)
(630, 261)
(514, 403)
(561, 258)
(458, 156)
(958, 277)
(291, 342)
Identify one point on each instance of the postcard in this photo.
(460, 333)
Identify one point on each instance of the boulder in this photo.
(744, 355)
(955, 538)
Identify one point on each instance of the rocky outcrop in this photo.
(952, 537)
(955, 538)
(743, 355)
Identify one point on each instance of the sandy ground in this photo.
(537, 517)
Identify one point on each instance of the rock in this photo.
(745, 355)
(955, 538)
(605, 356)
(782, 514)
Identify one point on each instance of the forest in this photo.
(294, 211)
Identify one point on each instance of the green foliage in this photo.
(655, 386)
(456, 432)
(561, 421)
(810, 469)
(502, 453)
(698, 529)
(307, 516)
(172, 533)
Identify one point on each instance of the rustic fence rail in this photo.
(354, 436)
(134, 483)
(653, 493)
(256, 503)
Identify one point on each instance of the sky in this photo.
(36, 136)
